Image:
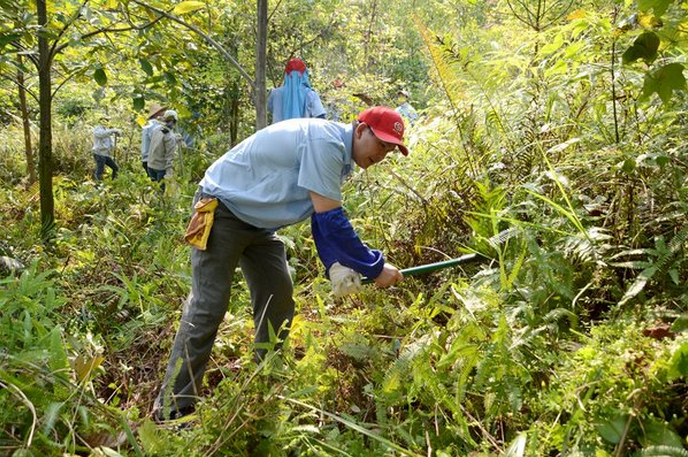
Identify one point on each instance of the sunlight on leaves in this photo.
(658, 6)
(188, 7)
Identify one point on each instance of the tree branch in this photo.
(25, 52)
(67, 78)
(94, 33)
(54, 49)
(18, 84)
(205, 36)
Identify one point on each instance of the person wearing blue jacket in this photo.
(283, 174)
(295, 98)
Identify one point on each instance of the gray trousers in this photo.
(262, 259)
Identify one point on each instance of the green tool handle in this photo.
(430, 267)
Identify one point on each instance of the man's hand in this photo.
(390, 276)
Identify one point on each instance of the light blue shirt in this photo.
(265, 180)
(313, 107)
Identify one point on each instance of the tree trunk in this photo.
(261, 63)
(28, 148)
(45, 148)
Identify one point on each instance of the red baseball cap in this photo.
(386, 124)
(295, 64)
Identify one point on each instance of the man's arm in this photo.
(145, 141)
(323, 204)
(389, 275)
(170, 144)
(101, 132)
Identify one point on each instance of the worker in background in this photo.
(405, 108)
(154, 113)
(295, 98)
(163, 147)
(103, 146)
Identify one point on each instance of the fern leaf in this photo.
(663, 451)
(447, 78)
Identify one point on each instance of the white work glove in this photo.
(344, 280)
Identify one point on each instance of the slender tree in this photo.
(261, 60)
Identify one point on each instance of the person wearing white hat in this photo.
(154, 112)
(163, 145)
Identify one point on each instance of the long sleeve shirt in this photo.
(163, 146)
(102, 141)
(146, 139)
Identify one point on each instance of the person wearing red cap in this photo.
(281, 175)
(295, 98)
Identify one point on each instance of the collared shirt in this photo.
(265, 180)
(313, 106)
(408, 111)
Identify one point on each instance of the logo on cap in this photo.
(398, 127)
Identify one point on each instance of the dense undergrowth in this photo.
(567, 339)
(539, 351)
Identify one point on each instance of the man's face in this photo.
(369, 149)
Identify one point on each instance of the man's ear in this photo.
(360, 129)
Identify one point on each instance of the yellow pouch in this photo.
(198, 231)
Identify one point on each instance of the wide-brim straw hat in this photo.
(155, 109)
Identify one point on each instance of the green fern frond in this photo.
(675, 245)
(664, 451)
(447, 77)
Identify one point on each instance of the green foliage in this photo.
(568, 339)
(644, 47)
(664, 81)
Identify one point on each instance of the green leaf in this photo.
(100, 76)
(664, 81)
(187, 7)
(678, 365)
(658, 6)
(680, 324)
(673, 274)
(517, 447)
(170, 78)
(612, 430)
(109, 452)
(660, 434)
(4, 39)
(52, 413)
(553, 46)
(146, 67)
(639, 284)
(644, 47)
(151, 438)
(139, 102)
